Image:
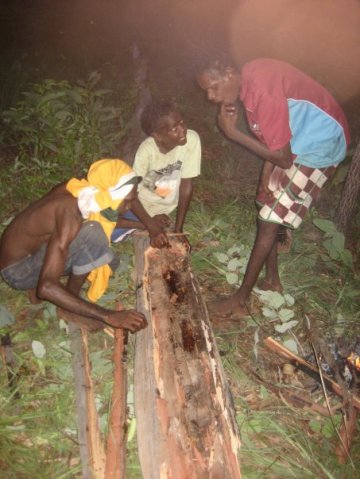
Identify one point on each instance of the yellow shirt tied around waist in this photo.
(99, 196)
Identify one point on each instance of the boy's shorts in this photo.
(294, 190)
(89, 250)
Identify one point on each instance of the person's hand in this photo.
(162, 220)
(158, 238)
(264, 183)
(227, 118)
(129, 319)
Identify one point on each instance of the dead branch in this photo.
(279, 349)
(116, 442)
(346, 433)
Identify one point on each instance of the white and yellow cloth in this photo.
(108, 183)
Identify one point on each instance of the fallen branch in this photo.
(91, 448)
(116, 442)
(279, 349)
(346, 433)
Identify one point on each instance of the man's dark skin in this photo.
(55, 219)
(224, 90)
(170, 133)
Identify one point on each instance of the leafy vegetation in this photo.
(55, 131)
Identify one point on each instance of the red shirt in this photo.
(266, 87)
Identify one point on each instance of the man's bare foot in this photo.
(228, 308)
(33, 297)
(86, 323)
(266, 285)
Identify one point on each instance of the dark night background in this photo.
(67, 39)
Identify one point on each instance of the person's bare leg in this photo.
(74, 285)
(271, 281)
(265, 242)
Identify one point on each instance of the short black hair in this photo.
(216, 68)
(155, 111)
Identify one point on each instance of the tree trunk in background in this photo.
(350, 194)
(186, 424)
(135, 135)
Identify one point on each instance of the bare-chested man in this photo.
(50, 239)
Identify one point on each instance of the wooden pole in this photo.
(116, 442)
(185, 417)
(91, 448)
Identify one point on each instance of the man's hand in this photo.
(130, 319)
(228, 118)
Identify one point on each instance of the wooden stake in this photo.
(116, 442)
(91, 448)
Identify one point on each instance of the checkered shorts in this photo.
(294, 190)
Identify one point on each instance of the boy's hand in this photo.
(227, 118)
(162, 220)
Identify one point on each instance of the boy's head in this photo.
(163, 121)
(221, 82)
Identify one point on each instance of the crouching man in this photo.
(66, 233)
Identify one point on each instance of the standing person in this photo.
(67, 233)
(299, 131)
(167, 160)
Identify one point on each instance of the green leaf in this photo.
(282, 328)
(325, 225)
(234, 264)
(289, 300)
(232, 278)
(272, 299)
(339, 241)
(291, 345)
(222, 257)
(269, 312)
(286, 314)
(6, 317)
(38, 349)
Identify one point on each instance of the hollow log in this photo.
(186, 425)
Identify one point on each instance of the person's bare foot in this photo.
(33, 297)
(227, 308)
(266, 285)
(86, 323)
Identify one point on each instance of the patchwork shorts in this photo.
(89, 250)
(293, 191)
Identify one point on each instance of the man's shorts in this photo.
(294, 190)
(89, 250)
(121, 234)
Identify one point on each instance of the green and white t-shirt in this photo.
(162, 173)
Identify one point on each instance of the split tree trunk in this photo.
(186, 425)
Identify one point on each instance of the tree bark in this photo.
(185, 417)
(116, 441)
(350, 194)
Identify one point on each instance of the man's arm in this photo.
(185, 195)
(51, 289)
(158, 238)
(227, 121)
